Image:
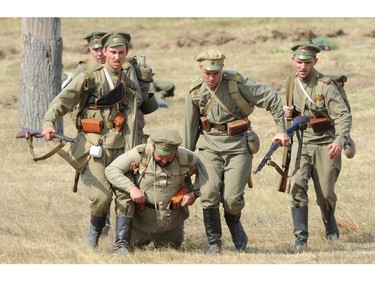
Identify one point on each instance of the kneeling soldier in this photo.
(146, 180)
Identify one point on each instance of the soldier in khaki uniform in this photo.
(316, 96)
(214, 101)
(145, 179)
(97, 51)
(106, 122)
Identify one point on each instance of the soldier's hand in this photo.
(137, 195)
(188, 199)
(48, 133)
(288, 111)
(283, 137)
(334, 150)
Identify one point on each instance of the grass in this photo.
(43, 222)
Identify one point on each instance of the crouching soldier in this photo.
(153, 191)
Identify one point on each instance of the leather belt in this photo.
(149, 205)
(219, 127)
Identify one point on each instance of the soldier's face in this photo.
(98, 54)
(164, 161)
(115, 56)
(304, 67)
(211, 78)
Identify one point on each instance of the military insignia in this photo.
(237, 77)
(96, 41)
(115, 39)
(303, 52)
(212, 62)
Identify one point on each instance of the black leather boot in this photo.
(300, 222)
(123, 233)
(332, 231)
(212, 223)
(107, 225)
(96, 226)
(239, 236)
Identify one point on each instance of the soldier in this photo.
(145, 179)
(164, 87)
(315, 95)
(106, 123)
(96, 50)
(216, 124)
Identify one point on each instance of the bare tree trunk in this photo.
(41, 66)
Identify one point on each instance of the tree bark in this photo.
(41, 67)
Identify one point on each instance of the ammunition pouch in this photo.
(320, 124)
(205, 123)
(92, 125)
(177, 198)
(119, 121)
(238, 126)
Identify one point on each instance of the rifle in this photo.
(29, 134)
(299, 123)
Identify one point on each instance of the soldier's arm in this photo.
(118, 172)
(191, 132)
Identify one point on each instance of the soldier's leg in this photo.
(325, 175)
(100, 196)
(171, 238)
(237, 171)
(124, 207)
(299, 201)
(211, 184)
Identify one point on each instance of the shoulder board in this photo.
(232, 75)
(126, 65)
(195, 83)
(96, 67)
(140, 148)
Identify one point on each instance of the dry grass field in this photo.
(43, 222)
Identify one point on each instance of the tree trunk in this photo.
(41, 67)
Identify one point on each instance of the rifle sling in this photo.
(47, 155)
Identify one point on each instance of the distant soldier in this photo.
(145, 181)
(216, 124)
(164, 87)
(316, 96)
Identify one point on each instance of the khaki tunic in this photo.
(114, 143)
(315, 162)
(227, 159)
(159, 184)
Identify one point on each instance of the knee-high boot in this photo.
(212, 223)
(123, 233)
(239, 236)
(332, 231)
(96, 226)
(300, 222)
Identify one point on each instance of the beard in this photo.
(161, 164)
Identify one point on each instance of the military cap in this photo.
(94, 39)
(116, 38)
(211, 60)
(166, 140)
(305, 50)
